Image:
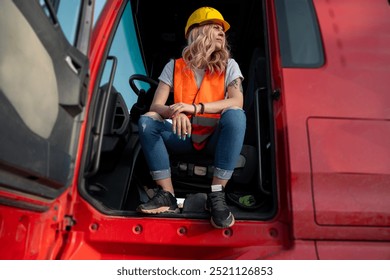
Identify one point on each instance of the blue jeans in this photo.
(158, 140)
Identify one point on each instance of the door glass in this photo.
(299, 34)
(126, 49)
(99, 4)
(67, 12)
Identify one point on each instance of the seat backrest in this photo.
(144, 100)
(257, 78)
(143, 103)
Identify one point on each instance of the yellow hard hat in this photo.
(205, 15)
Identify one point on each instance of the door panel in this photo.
(350, 159)
(43, 82)
(42, 94)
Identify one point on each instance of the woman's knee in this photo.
(232, 108)
(151, 115)
(234, 116)
(148, 120)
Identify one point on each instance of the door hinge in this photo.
(67, 223)
(276, 94)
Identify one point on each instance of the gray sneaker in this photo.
(221, 217)
(162, 202)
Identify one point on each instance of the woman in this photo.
(206, 115)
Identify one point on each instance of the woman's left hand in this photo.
(181, 126)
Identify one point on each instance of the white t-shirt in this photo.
(232, 72)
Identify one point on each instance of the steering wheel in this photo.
(142, 78)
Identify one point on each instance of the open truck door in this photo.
(43, 82)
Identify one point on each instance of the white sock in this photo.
(216, 188)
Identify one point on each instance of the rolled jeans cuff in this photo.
(222, 173)
(161, 174)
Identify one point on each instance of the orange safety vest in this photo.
(186, 90)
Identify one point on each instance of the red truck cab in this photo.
(315, 160)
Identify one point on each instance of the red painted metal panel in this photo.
(27, 234)
(349, 86)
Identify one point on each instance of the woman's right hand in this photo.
(180, 107)
(181, 126)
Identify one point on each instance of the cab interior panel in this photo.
(122, 180)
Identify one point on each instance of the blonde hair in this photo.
(201, 51)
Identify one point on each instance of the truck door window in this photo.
(126, 49)
(99, 4)
(299, 35)
(67, 13)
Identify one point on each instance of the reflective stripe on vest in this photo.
(185, 90)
